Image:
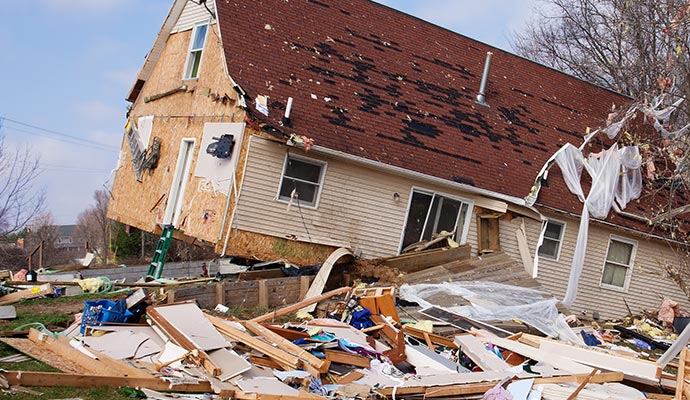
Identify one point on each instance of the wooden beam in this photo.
(299, 305)
(283, 358)
(439, 391)
(680, 375)
(350, 377)
(287, 346)
(289, 334)
(31, 378)
(31, 293)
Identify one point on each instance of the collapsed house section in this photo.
(367, 136)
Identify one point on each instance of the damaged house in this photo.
(274, 129)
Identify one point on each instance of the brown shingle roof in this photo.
(377, 83)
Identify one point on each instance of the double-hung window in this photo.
(302, 181)
(553, 239)
(431, 213)
(618, 265)
(196, 47)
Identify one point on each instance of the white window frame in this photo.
(466, 226)
(628, 274)
(322, 177)
(187, 65)
(563, 225)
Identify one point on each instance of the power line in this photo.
(68, 138)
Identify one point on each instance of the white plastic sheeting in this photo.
(496, 301)
(616, 177)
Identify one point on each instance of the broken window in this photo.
(431, 213)
(196, 46)
(553, 238)
(618, 265)
(304, 177)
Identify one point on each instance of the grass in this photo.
(70, 393)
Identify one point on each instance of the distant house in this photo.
(68, 244)
(274, 129)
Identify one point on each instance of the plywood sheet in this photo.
(27, 347)
(190, 321)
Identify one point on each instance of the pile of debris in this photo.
(360, 348)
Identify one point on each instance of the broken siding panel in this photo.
(647, 283)
(193, 14)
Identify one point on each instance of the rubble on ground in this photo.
(433, 336)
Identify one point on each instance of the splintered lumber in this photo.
(635, 369)
(283, 358)
(582, 385)
(561, 362)
(177, 337)
(31, 293)
(350, 377)
(300, 305)
(288, 346)
(477, 352)
(394, 337)
(440, 391)
(322, 276)
(50, 349)
(31, 378)
(302, 395)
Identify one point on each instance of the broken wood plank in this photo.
(602, 377)
(680, 376)
(319, 282)
(31, 293)
(288, 346)
(582, 385)
(289, 334)
(439, 391)
(298, 306)
(283, 358)
(342, 357)
(31, 378)
(350, 377)
(54, 349)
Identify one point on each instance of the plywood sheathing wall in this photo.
(202, 211)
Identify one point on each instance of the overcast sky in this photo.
(67, 66)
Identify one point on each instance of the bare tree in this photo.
(19, 199)
(94, 226)
(637, 47)
(42, 229)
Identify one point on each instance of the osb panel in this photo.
(264, 247)
(178, 116)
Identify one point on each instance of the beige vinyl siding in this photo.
(193, 14)
(356, 208)
(648, 282)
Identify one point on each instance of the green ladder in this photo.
(158, 261)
